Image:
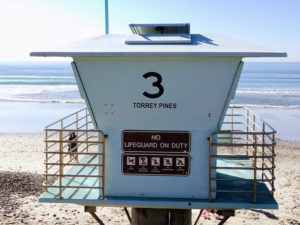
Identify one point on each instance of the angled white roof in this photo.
(159, 45)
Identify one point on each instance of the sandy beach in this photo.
(21, 169)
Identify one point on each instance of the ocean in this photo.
(47, 91)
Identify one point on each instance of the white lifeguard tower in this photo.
(158, 131)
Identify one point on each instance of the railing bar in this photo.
(233, 168)
(240, 156)
(66, 130)
(71, 164)
(65, 155)
(67, 141)
(75, 122)
(49, 157)
(50, 135)
(244, 133)
(270, 182)
(56, 122)
(239, 144)
(239, 191)
(50, 167)
(242, 191)
(243, 168)
(80, 153)
(273, 177)
(69, 125)
(250, 180)
(92, 176)
(234, 138)
(51, 144)
(84, 125)
(55, 186)
(250, 111)
(73, 175)
(233, 122)
(242, 115)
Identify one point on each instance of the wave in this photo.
(35, 83)
(42, 100)
(267, 106)
(37, 77)
(294, 92)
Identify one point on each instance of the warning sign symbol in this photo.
(168, 162)
(155, 161)
(180, 162)
(143, 161)
(130, 160)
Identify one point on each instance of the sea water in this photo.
(33, 94)
(274, 85)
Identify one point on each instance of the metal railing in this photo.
(243, 136)
(63, 156)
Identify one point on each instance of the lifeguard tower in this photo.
(159, 131)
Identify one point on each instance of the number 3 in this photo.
(154, 84)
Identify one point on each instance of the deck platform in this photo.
(92, 196)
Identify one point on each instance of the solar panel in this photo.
(183, 28)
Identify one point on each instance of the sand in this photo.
(21, 169)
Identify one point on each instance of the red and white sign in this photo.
(168, 162)
(143, 161)
(155, 161)
(130, 160)
(180, 162)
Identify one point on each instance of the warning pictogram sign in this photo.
(155, 161)
(143, 161)
(130, 160)
(156, 164)
(168, 162)
(180, 162)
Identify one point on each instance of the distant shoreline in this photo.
(35, 116)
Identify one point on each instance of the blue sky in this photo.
(28, 25)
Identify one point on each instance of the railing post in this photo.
(60, 160)
(263, 150)
(253, 130)
(247, 129)
(231, 137)
(209, 169)
(46, 161)
(103, 164)
(76, 131)
(273, 161)
(76, 122)
(232, 119)
(86, 127)
(253, 125)
(255, 152)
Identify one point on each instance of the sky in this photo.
(32, 25)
